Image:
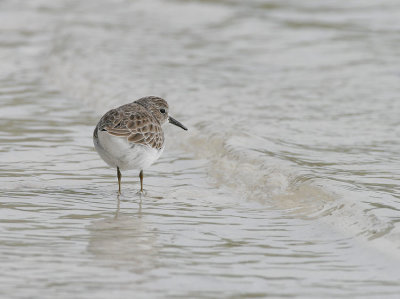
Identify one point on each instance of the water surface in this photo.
(285, 185)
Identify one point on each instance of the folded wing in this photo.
(134, 123)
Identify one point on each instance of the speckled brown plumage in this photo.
(135, 122)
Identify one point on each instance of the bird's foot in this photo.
(141, 192)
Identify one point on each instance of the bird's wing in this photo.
(134, 122)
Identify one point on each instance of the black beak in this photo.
(176, 123)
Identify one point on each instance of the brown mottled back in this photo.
(139, 121)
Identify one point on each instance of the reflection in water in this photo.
(124, 240)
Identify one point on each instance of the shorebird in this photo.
(131, 136)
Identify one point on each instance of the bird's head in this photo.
(158, 107)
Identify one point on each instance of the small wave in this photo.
(253, 176)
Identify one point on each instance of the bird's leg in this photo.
(119, 180)
(141, 180)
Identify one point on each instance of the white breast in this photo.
(118, 152)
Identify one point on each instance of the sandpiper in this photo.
(131, 136)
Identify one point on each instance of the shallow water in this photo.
(286, 184)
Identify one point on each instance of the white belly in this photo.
(118, 152)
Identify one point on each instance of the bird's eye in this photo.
(162, 111)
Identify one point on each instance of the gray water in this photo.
(285, 185)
